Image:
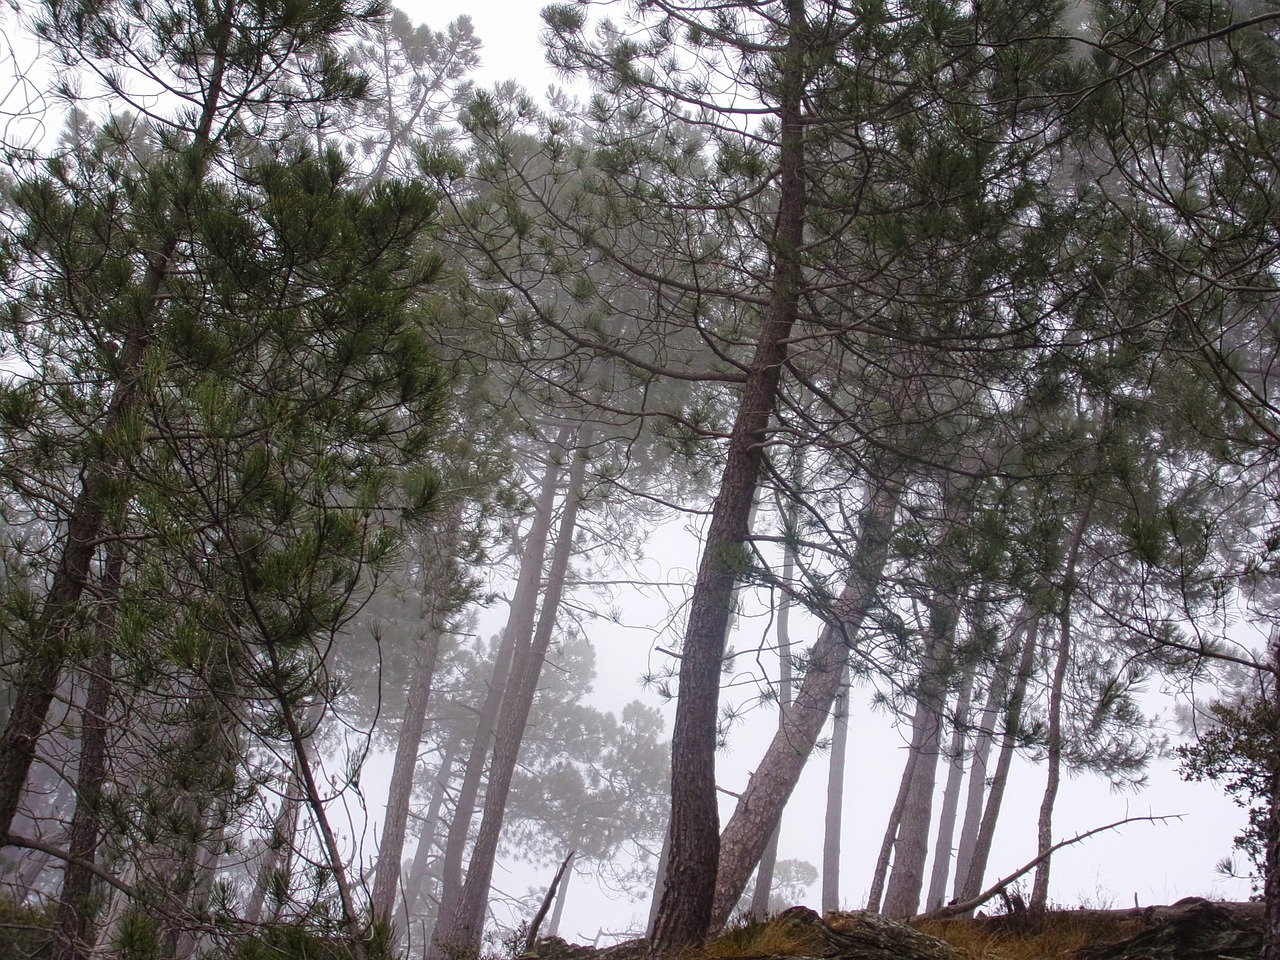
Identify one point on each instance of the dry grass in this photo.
(1051, 937)
(776, 938)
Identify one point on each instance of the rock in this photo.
(860, 935)
(1191, 929)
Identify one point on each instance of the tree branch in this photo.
(955, 909)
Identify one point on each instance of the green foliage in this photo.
(309, 940)
(26, 931)
(1240, 749)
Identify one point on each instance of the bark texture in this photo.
(685, 912)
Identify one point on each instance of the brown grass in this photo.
(779, 938)
(1051, 937)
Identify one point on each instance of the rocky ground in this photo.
(1192, 929)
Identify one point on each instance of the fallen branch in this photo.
(538, 917)
(964, 906)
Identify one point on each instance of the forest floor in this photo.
(1191, 929)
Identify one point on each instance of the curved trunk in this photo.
(685, 912)
(759, 809)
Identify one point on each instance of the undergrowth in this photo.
(1021, 937)
(780, 938)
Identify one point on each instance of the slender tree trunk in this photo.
(520, 624)
(206, 860)
(439, 549)
(984, 740)
(299, 740)
(835, 797)
(419, 871)
(906, 881)
(73, 924)
(1040, 886)
(881, 872)
(1044, 824)
(116, 912)
(1271, 867)
(759, 809)
(274, 864)
(764, 873)
(689, 893)
(942, 847)
(1009, 741)
(562, 894)
(461, 936)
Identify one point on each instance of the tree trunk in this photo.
(461, 935)
(74, 921)
(1009, 740)
(759, 809)
(759, 909)
(881, 872)
(274, 864)
(689, 892)
(985, 738)
(902, 896)
(439, 549)
(419, 872)
(942, 847)
(1040, 886)
(207, 859)
(659, 881)
(562, 894)
(1271, 868)
(520, 623)
(835, 797)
